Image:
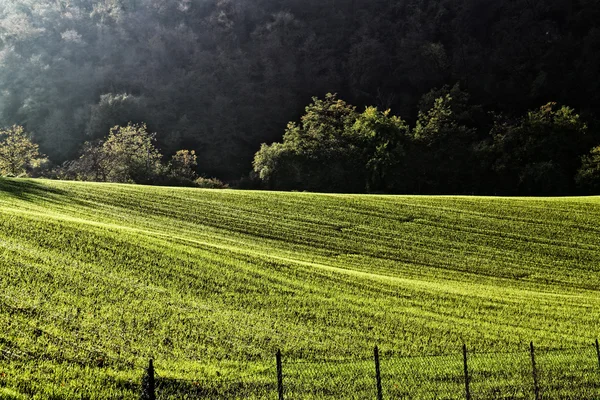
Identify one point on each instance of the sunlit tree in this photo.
(18, 154)
(128, 155)
(131, 154)
(183, 165)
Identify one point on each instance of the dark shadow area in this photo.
(167, 388)
(28, 189)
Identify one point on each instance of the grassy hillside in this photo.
(97, 278)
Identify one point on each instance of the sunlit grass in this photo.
(97, 278)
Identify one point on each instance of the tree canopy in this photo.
(129, 155)
(223, 76)
(18, 154)
(334, 148)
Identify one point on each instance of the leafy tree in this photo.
(463, 111)
(127, 155)
(131, 155)
(541, 152)
(273, 165)
(444, 154)
(588, 176)
(92, 165)
(114, 110)
(322, 153)
(18, 154)
(334, 148)
(385, 139)
(183, 165)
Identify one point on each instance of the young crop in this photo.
(96, 279)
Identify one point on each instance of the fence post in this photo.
(598, 352)
(466, 368)
(378, 374)
(536, 386)
(148, 384)
(279, 375)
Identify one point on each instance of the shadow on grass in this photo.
(179, 389)
(27, 189)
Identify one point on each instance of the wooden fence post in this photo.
(148, 383)
(466, 368)
(279, 375)
(598, 352)
(378, 374)
(536, 386)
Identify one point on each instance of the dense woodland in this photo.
(472, 82)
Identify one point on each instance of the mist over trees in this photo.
(223, 76)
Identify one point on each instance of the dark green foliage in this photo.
(385, 142)
(181, 170)
(539, 153)
(335, 149)
(444, 155)
(588, 176)
(115, 110)
(454, 148)
(322, 153)
(223, 76)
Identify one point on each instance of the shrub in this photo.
(210, 183)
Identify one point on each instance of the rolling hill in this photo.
(95, 279)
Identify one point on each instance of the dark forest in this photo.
(515, 84)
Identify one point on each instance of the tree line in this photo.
(127, 155)
(453, 148)
(220, 77)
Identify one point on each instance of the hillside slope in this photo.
(97, 278)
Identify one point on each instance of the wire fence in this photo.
(561, 374)
(532, 373)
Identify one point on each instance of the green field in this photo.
(97, 278)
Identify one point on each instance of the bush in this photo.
(210, 183)
(249, 182)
